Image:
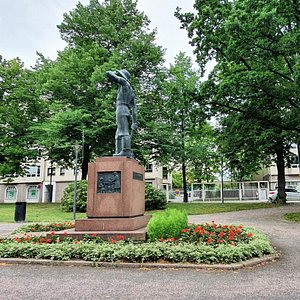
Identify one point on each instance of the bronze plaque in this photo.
(109, 182)
(138, 176)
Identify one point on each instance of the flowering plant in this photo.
(41, 239)
(213, 234)
(37, 227)
(195, 244)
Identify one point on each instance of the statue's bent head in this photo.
(125, 74)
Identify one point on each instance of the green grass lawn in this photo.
(294, 217)
(51, 212)
(38, 212)
(211, 208)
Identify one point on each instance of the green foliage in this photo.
(94, 249)
(19, 109)
(38, 212)
(101, 36)
(215, 234)
(154, 198)
(166, 224)
(68, 197)
(176, 179)
(254, 85)
(183, 117)
(37, 227)
(294, 217)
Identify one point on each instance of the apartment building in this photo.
(158, 176)
(45, 182)
(292, 172)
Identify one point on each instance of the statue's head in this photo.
(125, 74)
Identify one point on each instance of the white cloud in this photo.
(27, 26)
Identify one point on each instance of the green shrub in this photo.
(154, 198)
(68, 197)
(167, 224)
(37, 227)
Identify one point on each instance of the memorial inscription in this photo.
(138, 176)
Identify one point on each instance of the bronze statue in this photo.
(124, 104)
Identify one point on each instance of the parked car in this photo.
(291, 195)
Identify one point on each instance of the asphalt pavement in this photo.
(275, 280)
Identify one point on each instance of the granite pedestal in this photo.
(116, 200)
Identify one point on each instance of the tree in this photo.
(205, 160)
(178, 117)
(19, 109)
(100, 36)
(255, 45)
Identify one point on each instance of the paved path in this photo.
(277, 280)
(7, 228)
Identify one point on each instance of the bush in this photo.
(167, 224)
(68, 197)
(154, 198)
(37, 227)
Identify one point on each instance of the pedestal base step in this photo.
(136, 235)
(112, 224)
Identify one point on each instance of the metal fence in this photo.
(231, 191)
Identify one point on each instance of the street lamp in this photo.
(222, 179)
(76, 150)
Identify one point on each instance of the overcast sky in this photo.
(27, 26)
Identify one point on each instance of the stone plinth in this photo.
(116, 198)
(129, 201)
(112, 224)
(133, 235)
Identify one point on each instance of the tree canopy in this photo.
(101, 36)
(256, 78)
(20, 108)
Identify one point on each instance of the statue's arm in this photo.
(114, 77)
(134, 125)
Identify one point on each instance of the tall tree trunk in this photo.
(281, 173)
(85, 161)
(183, 167)
(185, 192)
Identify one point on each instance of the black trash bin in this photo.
(20, 212)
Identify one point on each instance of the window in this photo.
(32, 192)
(165, 173)
(149, 168)
(293, 161)
(62, 171)
(51, 171)
(33, 171)
(11, 193)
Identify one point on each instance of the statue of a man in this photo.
(124, 104)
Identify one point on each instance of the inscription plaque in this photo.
(138, 176)
(109, 182)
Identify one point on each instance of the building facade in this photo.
(292, 172)
(158, 176)
(45, 182)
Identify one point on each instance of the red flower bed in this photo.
(46, 227)
(212, 234)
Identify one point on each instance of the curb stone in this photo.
(81, 263)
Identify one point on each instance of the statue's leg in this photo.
(123, 140)
(126, 143)
(118, 145)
